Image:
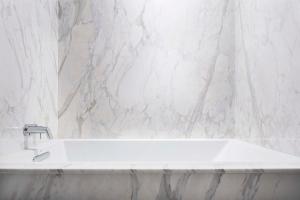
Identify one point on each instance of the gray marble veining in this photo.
(145, 69)
(267, 45)
(165, 190)
(28, 54)
(149, 185)
(223, 68)
(214, 184)
(152, 69)
(250, 185)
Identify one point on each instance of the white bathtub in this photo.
(149, 170)
(147, 154)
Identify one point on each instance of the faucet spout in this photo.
(30, 129)
(35, 129)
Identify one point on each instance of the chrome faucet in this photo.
(30, 129)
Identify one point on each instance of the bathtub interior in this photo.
(181, 153)
(210, 150)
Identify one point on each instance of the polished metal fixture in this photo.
(33, 129)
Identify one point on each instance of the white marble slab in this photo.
(28, 65)
(267, 108)
(145, 69)
(158, 185)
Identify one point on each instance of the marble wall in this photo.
(221, 68)
(267, 97)
(146, 69)
(28, 65)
